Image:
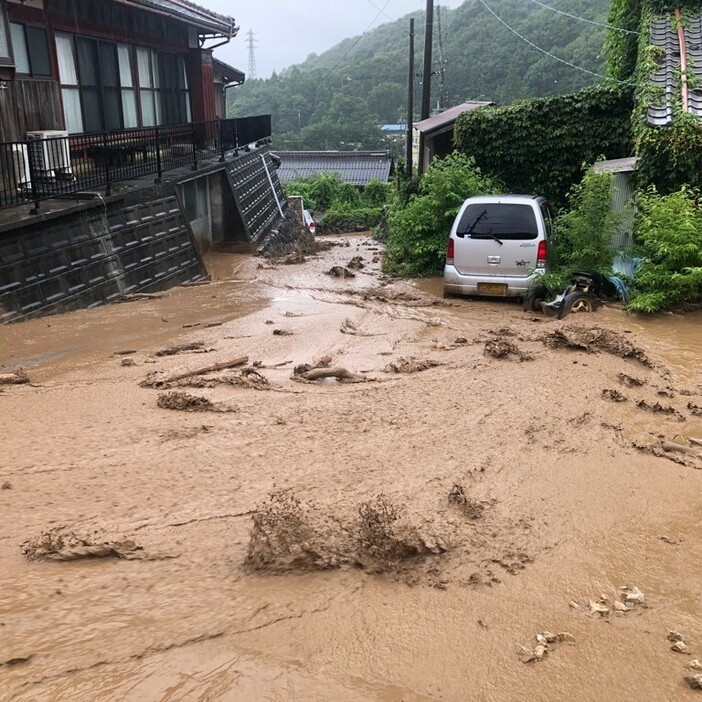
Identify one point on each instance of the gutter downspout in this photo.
(683, 60)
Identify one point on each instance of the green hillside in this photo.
(338, 99)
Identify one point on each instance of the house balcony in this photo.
(65, 168)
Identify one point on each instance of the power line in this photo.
(392, 19)
(548, 53)
(582, 19)
(356, 43)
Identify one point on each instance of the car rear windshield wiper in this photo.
(491, 235)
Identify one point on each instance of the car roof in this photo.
(488, 199)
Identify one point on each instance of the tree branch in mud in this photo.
(338, 373)
(17, 378)
(153, 382)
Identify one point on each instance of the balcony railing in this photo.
(43, 168)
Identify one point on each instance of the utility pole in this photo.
(426, 77)
(251, 44)
(410, 102)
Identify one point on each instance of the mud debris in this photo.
(290, 536)
(340, 272)
(184, 402)
(594, 339)
(356, 263)
(7, 485)
(696, 410)
(158, 380)
(504, 348)
(680, 647)
(613, 395)
(658, 408)
(125, 352)
(630, 381)
(675, 636)
(248, 378)
(181, 348)
(293, 259)
(471, 508)
(544, 643)
(282, 332)
(59, 544)
(694, 681)
(128, 362)
(695, 664)
(411, 365)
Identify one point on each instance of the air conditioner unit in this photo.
(20, 166)
(51, 153)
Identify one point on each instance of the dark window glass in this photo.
(113, 108)
(92, 114)
(501, 220)
(108, 65)
(87, 61)
(172, 84)
(38, 45)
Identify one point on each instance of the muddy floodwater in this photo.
(290, 485)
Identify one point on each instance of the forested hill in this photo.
(337, 100)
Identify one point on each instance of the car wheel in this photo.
(534, 298)
(576, 302)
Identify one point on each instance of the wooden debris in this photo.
(156, 382)
(136, 297)
(182, 348)
(16, 378)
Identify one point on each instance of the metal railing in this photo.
(43, 168)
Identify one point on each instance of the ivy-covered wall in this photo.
(541, 146)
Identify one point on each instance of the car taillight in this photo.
(541, 255)
(449, 251)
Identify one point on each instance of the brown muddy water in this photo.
(399, 538)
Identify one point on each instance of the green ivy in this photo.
(539, 146)
(669, 231)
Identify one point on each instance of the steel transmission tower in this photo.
(251, 43)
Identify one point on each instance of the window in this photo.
(68, 75)
(149, 97)
(30, 46)
(109, 86)
(5, 54)
(502, 220)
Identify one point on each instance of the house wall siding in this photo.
(28, 105)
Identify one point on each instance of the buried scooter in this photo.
(585, 293)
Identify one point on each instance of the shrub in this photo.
(584, 233)
(419, 229)
(343, 218)
(669, 230)
(375, 194)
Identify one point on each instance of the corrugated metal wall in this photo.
(622, 195)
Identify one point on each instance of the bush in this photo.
(320, 191)
(669, 230)
(343, 218)
(584, 233)
(375, 194)
(418, 231)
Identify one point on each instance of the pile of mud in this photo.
(288, 536)
(248, 378)
(411, 365)
(595, 339)
(184, 402)
(501, 348)
(59, 544)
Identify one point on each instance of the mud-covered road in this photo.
(393, 536)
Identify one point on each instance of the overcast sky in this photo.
(288, 31)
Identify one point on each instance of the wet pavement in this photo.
(362, 580)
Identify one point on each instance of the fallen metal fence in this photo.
(42, 168)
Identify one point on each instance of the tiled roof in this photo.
(666, 76)
(231, 74)
(447, 117)
(192, 14)
(355, 167)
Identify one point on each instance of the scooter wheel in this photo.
(534, 298)
(577, 302)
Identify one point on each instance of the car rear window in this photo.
(501, 220)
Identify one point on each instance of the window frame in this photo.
(9, 60)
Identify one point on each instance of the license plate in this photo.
(495, 289)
